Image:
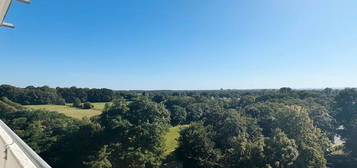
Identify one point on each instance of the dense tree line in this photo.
(85, 94)
(305, 120)
(232, 139)
(226, 128)
(31, 95)
(318, 124)
(46, 95)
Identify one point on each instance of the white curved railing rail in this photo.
(15, 153)
(4, 8)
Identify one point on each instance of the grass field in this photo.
(172, 137)
(71, 111)
(98, 106)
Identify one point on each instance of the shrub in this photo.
(77, 103)
(60, 101)
(87, 105)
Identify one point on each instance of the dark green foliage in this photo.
(40, 129)
(245, 152)
(100, 159)
(228, 128)
(351, 144)
(44, 95)
(245, 101)
(322, 118)
(197, 149)
(134, 131)
(178, 115)
(60, 101)
(159, 98)
(85, 94)
(280, 151)
(285, 90)
(195, 111)
(297, 143)
(346, 115)
(30, 95)
(73, 93)
(182, 101)
(77, 103)
(9, 106)
(225, 139)
(346, 106)
(100, 95)
(76, 147)
(312, 143)
(87, 105)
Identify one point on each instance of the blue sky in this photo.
(181, 44)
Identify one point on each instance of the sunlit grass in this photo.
(171, 139)
(99, 106)
(71, 111)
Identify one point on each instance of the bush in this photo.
(77, 103)
(87, 105)
(60, 101)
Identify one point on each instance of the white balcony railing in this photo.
(15, 153)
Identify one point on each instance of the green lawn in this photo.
(71, 111)
(171, 138)
(99, 106)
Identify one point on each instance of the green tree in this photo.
(280, 151)
(351, 143)
(245, 152)
(77, 103)
(346, 115)
(87, 105)
(178, 115)
(246, 100)
(197, 149)
(135, 132)
(195, 111)
(312, 143)
(285, 90)
(224, 139)
(346, 107)
(60, 101)
(100, 159)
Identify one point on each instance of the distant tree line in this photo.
(31, 95)
(85, 94)
(46, 95)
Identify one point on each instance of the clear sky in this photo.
(181, 44)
